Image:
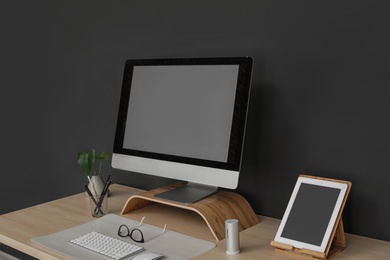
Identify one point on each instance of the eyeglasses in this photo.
(135, 234)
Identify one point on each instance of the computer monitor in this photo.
(184, 119)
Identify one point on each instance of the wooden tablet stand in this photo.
(214, 209)
(336, 242)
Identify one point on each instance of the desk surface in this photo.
(17, 228)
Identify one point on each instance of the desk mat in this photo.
(171, 244)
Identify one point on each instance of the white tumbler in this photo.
(232, 237)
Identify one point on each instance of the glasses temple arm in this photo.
(142, 220)
(165, 227)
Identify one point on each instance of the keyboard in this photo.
(106, 245)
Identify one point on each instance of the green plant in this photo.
(86, 160)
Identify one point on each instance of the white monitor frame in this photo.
(194, 174)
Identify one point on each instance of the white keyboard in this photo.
(106, 245)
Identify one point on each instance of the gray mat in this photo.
(171, 244)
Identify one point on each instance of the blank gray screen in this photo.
(182, 110)
(310, 215)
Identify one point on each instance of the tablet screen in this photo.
(311, 213)
(310, 225)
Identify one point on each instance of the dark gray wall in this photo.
(319, 103)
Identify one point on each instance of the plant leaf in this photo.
(92, 156)
(83, 161)
(103, 155)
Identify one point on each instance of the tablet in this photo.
(311, 213)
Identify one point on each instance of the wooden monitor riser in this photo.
(214, 209)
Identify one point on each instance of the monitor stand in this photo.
(190, 193)
(214, 209)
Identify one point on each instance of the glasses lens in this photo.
(137, 235)
(123, 231)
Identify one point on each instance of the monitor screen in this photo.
(184, 118)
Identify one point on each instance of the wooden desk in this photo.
(16, 229)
